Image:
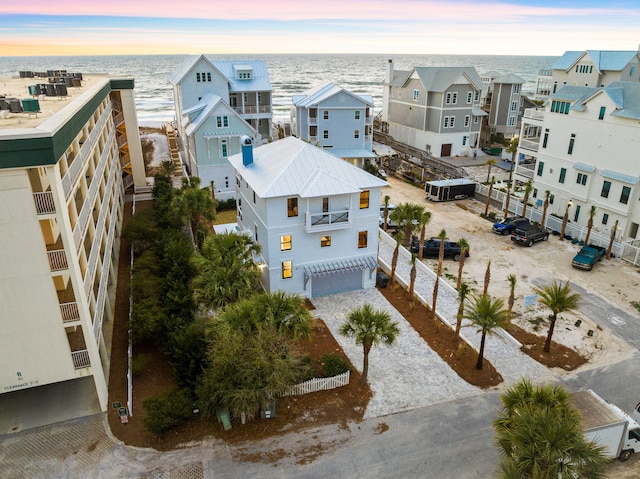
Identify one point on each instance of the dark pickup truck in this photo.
(588, 256)
(431, 248)
(529, 234)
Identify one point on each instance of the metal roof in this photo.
(292, 167)
(323, 92)
(584, 167)
(259, 80)
(509, 78)
(340, 266)
(604, 60)
(350, 152)
(208, 105)
(614, 175)
(439, 79)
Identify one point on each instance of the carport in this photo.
(338, 276)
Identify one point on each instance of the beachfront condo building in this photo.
(200, 86)
(336, 120)
(315, 216)
(582, 148)
(433, 109)
(65, 162)
(590, 68)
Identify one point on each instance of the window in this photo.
(477, 96)
(325, 241)
(558, 106)
(325, 134)
(516, 88)
(449, 121)
(577, 213)
(582, 179)
(285, 243)
(254, 197)
(606, 187)
(563, 173)
(464, 140)
(469, 97)
(448, 99)
(259, 97)
(287, 269)
(357, 114)
(416, 95)
(603, 109)
(540, 168)
(292, 207)
(255, 232)
(325, 204)
(362, 239)
(356, 133)
(475, 119)
(514, 106)
(198, 76)
(571, 143)
(313, 131)
(224, 149)
(605, 218)
(624, 196)
(467, 120)
(546, 138)
(511, 121)
(325, 114)
(454, 98)
(226, 182)
(551, 198)
(222, 121)
(364, 199)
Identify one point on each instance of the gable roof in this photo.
(209, 104)
(323, 92)
(624, 95)
(292, 167)
(604, 60)
(186, 66)
(509, 78)
(259, 80)
(438, 79)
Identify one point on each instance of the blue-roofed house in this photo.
(586, 152)
(315, 216)
(595, 68)
(433, 109)
(337, 120)
(244, 85)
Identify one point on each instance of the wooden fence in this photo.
(318, 384)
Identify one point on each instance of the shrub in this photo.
(226, 205)
(139, 364)
(334, 364)
(165, 411)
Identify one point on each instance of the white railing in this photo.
(118, 119)
(121, 140)
(70, 312)
(81, 359)
(313, 120)
(319, 384)
(252, 109)
(128, 181)
(58, 260)
(44, 203)
(78, 162)
(530, 144)
(327, 221)
(533, 113)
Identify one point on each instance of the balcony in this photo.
(58, 260)
(313, 120)
(530, 144)
(533, 114)
(44, 203)
(81, 359)
(252, 109)
(332, 220)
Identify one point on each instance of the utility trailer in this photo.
(447, 190)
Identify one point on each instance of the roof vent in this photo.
(247, 150)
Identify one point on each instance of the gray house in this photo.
(503, 101)
(434, 109)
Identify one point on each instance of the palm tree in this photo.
(412, 277)
(394, 258)
(408, 215)
(558, 297)
(196, 207)
(422, 223)
(285, 311)
(487, 278)
(463, 292)
(547, 195)
(443, 237)
(490, 162)
(385, 211)
(369, 328)
(507, 200)
(464, 247)
(592, 213)
(487, 315)
(511, 279)
(513, 149)
(539, 433)
(486, 205)
(612, 238)
(528, 188)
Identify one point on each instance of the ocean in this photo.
(290, 74)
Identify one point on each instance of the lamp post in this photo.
(565, 219)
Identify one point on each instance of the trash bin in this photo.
(381, 279)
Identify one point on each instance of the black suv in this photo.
(529, 234)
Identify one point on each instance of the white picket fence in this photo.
(318, 384)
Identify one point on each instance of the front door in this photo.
(445, 150)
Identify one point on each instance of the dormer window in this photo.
(243, 72)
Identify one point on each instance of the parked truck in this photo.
(607, 425)
(529, 234)
(588, 256)
(431, 248)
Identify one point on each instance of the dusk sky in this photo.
(515, 27)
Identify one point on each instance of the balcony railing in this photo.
(252, 109)
(70, 312)
(44, 203)
(529, 144)
(313, 120)
(58, 260)
(327, 221)
(534, 114)
(81, 359)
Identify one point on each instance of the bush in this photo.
(334, 364)
(226, 205)
(167, 410)
(139, 364)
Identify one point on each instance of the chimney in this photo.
(389, 75)
(247, 150)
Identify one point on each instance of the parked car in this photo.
(390, 223)
(431, 248)
(588, 256)
(529, 234)
(508, 224)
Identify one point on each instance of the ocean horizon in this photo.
(290, 74)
